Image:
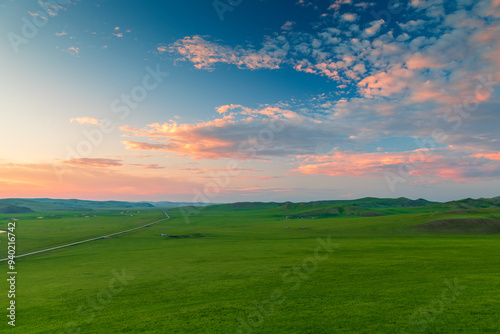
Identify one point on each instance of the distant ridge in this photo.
(18, 205)
(366, 206)
(49, 204)
(363, 207)
(9, 208)
(470, 203)
(168, 205)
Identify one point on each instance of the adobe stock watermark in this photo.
(223, 6)
(426, 315)
(293, 278)
(30, 26)
(121, 107)
(221, 179)
(92, 306)
(453, 116)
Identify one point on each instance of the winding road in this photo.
(88, 240)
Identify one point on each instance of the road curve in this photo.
(97, 238)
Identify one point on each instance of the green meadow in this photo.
(249, 269)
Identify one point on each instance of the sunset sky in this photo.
(224, 101)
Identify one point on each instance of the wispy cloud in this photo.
(269, 177)
(95, 162)
(349, 17)
(439, 165)
(88, 182)
(288, 25)
(239, 132)
(403, 83)
(85, 120)
(72, 50)
(205, 54)
(150, 166)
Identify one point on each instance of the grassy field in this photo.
(43, 230)
(245, 272)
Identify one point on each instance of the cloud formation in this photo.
(80, 181)
(94, 162)
(440, 165)
(239, 132)
(428, 72)
(85, 120)
(205, 54)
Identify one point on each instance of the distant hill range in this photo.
(9, 208)
(368, 206)
(48, 204)
(169, 205)
(20, 205)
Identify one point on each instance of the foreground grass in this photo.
(384, 277)
(59, 228)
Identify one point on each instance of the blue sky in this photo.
(264, 100)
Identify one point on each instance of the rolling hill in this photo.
(367, 207)
(470, 203)
(169, 205)
(48, 204)
(35, 205)
(9, 208)
(363, 207)
(95, 205)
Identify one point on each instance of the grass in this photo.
(60, 228)
(247, 275)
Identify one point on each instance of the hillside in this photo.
(470, 203)
(9, 208)
(363, 207)
(48, 204)
(39, 206)
(169, 205)
(373, 202)
(469, 225)
(94, 205)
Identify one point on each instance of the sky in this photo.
(239, 100)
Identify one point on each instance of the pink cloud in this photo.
(491, 156)
(96, 162)
(338, 3)
(349, 17)
(226, 171)
(373, 29)
(442, 164)
(151, 166)
(350, 163)
(431, 91)
(41, 180)
(72, 50)
(85, 120)
(268, 177)
(205, 54)
(240, 132)
(385, 83)
(288, 25)
(418, 61)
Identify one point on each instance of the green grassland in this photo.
(44, 230)
(245, 272)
